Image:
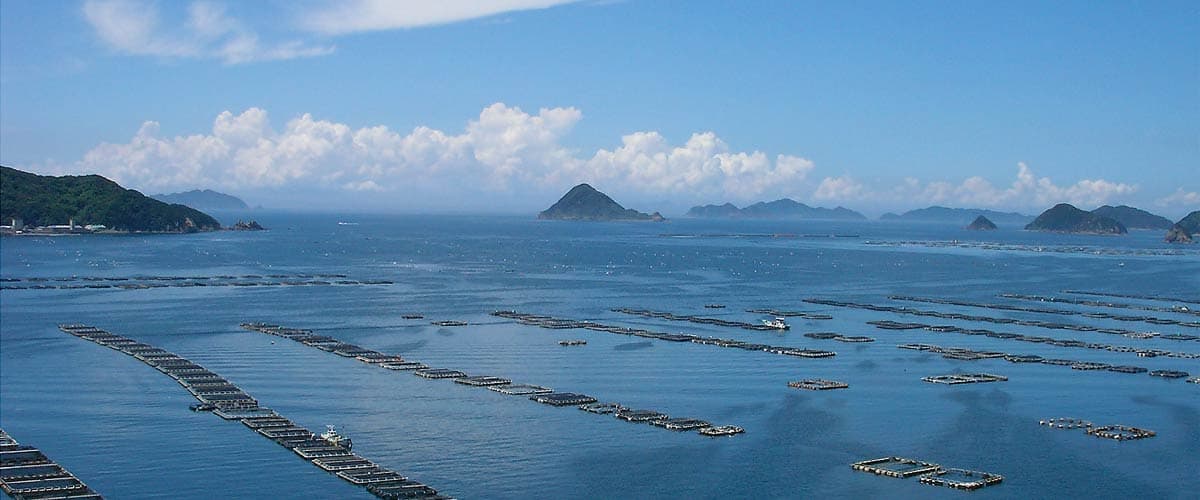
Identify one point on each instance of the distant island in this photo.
(1134, 218)
(1065, 218)
(958, 216)
(981, 223)
(583, 202)
(1185, 229)
(203, 200)
(784, 208)
(247, 226)
(88, 203)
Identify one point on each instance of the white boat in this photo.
(777, 323)
(332, 437)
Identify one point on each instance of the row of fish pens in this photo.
(189, 284)
(226, 400)
(1041, 310)
(28, 474)
(550, 322)
(536, 393)
(964, 354)
(987, 319)
(1114, 432)
(646, 313)
(1143, 353)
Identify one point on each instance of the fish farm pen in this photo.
(28, 474)
(536, 393)
(929, 473)
(229, 402)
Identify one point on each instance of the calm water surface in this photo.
(124, 428)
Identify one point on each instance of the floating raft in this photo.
(1065, 423)
(1120, 432)
(282, 429)
(450, 323)
(231, 403)
(964, 378)
(552, 323)
(961, 479)
(28, 474)
(572, 342)
(898, 467)
(721, 430)
(818, 384)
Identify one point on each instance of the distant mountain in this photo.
(1182, 231)
(1134, 218)
(982, 223)
(714, 211)
(91, 199)
(203, 200)
(958, 216)
(583, 202)
(1065, 218)
(779, 209)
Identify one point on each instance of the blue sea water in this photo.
(124, 428)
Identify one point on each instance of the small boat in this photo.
(714, 306)
(202, 407)
(332, 437)
(777, 323)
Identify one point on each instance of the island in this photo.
(981, 223)
(1134, 218)
(1185, 229)
(957, 216)
(37, 204)
(585, 203)
(784, 208)
(1065, 218)
(247, 226)
(203, 200)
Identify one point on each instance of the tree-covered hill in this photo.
(90, 199)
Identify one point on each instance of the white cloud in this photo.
(503, 150)
(133, 27)
(843, 188)
(352, 16)
(1180, 198)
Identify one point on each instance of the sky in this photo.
(500, 106)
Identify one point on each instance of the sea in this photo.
(125, 429)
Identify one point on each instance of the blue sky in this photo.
(503, 105)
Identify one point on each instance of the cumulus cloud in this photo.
(1180, 198)
(843, 188)
(352, 16)
(134, 27)
(504, 149)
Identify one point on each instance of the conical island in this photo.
(583, 202)
(982, 224)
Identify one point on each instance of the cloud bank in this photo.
(523, 157)
(503, 150)
(1026, 191)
